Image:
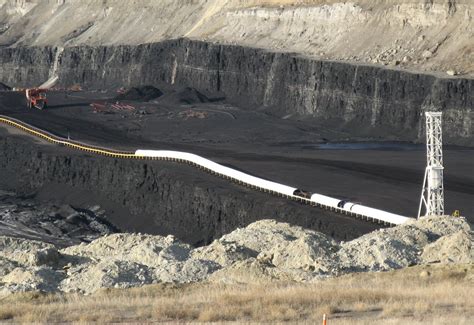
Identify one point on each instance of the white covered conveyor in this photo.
(326, 202)
(50, 83)
(265, 185)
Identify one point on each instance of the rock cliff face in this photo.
(431, 35)
(26, 67)
(370, 100)
(157, 197)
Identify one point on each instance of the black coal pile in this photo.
(62, 225)
(144, 93)
(4, 87)
(187, 95)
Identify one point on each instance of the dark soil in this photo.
(145, 93)
(59, 224)
(165, 198)
(185, 95)
(4, 87)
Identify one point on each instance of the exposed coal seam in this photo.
(365, 99)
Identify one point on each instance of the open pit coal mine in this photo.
(302, 102)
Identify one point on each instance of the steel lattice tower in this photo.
(432, 195)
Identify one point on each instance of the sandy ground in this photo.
(301, 153)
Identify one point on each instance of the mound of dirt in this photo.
(128, 260)
(6, 266)
(281, 245)
(21, 279)
(187, 96)
(454, 248)
(292, 253)
(144, 249)
(263, 251)
(4, 87)
(144, 94)
(401, 246)
(27, 252)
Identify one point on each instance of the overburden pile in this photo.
(263, 251)
(4, 87)
(144, 93)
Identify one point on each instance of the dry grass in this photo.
(443, 296)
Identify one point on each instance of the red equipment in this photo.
(36, 97)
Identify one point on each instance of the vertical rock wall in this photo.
(159, 197)
(363, 99)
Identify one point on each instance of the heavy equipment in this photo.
(36, 97)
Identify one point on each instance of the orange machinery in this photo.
(36, 97)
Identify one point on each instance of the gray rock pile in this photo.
(129, 260)
(115, 261)
(265, 250)
(405, 245)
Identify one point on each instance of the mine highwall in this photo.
(366, 100)
(157, 197)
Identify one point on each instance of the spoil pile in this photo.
(144, 93)
(186, 96)
(4, 87)
(404, 245)
(265, 250)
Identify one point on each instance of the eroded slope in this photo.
(428, 35)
